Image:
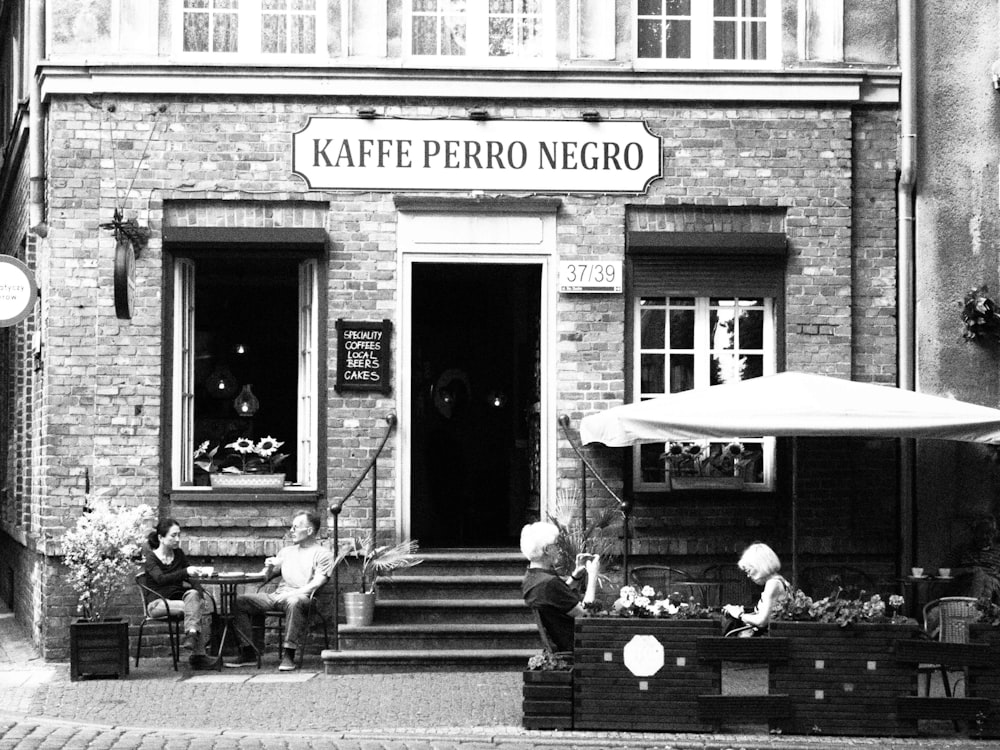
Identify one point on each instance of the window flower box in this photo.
(255, 482)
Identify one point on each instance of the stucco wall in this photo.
(957, 226)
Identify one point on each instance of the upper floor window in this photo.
(708, 32)
(470, 29)
(248, 27)
(695, 342)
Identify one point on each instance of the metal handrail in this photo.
(624, 506)
(338, 505)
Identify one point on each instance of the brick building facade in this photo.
(772, 213)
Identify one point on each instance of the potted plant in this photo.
(547, 694)
(100, 553)
(245, 465)
(376, 562)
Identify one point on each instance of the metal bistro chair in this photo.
(662, 578)
(277, 615)
(172, 618)
(734, 585)
(954, 613)
(548, 645)
(829, 580)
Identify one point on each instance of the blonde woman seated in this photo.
(761, 565)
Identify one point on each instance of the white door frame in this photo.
(460, 236)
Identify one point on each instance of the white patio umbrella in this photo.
(792, 404)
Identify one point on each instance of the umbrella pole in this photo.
(795, 512)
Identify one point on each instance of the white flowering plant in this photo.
(244, 457)
(645, 602)
(101, 553)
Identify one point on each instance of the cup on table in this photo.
(917, 572)
(206, 570)
(944, 572)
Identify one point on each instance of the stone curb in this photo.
(519, 737)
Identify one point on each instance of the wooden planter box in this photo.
(98, 649)
(845, 680)
(984, 681)
(548, 699)
(607, 695)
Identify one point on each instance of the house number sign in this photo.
(18, 291)
(363, 355)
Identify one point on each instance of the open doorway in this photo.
(475, 402)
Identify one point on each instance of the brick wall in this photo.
(876, 134)
(229, 161)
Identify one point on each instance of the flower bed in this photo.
(844, 680)
(608, 694)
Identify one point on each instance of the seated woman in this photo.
(761, 565)
(169, 575)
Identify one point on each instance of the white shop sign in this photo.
(546, 156)
(18, 291)
(590, 276)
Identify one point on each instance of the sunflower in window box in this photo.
(685, 459)
(246, 464)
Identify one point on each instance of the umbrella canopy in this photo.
(792, 404)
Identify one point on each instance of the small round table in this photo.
(228, 584)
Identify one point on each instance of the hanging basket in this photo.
(258, 482)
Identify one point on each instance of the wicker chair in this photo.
(947, 620)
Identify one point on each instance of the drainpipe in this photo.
(36, 121)
(906, 267)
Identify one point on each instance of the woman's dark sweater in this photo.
(167, 580)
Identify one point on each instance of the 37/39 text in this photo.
(589, 273)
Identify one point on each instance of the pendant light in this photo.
(246, 404)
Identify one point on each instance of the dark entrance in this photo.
(475, 398)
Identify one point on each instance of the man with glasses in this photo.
(304, 566)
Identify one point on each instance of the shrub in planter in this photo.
(101, 553)
(548, 693)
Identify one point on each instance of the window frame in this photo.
(477, 41)
(249, 44)
(701, 351)
(180, 370)
(703, 41)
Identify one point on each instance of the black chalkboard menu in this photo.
(363, 355)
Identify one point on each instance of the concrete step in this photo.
(425, 660)
(468, 562)
(439, 636)
(445, 586)
(428, 611)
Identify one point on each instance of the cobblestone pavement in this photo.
(40, 708)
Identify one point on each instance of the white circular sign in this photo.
(643, 655)
(18, 291)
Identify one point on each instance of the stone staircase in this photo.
(459, 609)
